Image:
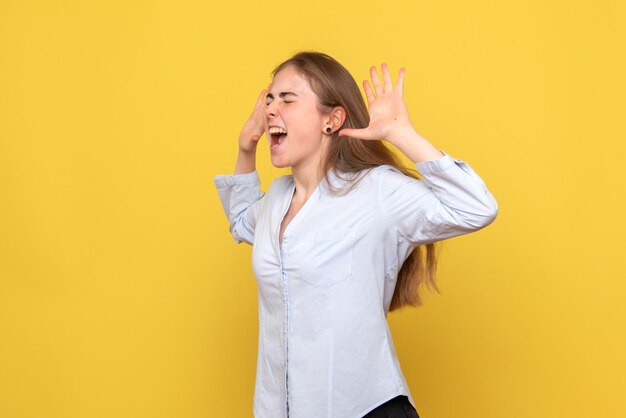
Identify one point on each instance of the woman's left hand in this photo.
(389, 118)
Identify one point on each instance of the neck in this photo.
(308, 175)
(306, 179)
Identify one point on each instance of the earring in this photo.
(328, 129)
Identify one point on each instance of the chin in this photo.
(280, 164)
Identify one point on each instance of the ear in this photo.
(336, 117)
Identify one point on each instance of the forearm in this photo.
(246, 162)
(416, 147)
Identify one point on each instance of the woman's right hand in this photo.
(254, 127)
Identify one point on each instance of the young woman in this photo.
(347, 237)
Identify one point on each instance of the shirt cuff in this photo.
(228, 180)
(440, 163)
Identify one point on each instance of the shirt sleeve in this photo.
(451, 200)
(241, 199)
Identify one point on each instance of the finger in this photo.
(356, 133)
(401, 81)
(376, 81)
(386, 78)
(261, 98)
(369, 94)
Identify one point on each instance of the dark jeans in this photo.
(398, 407)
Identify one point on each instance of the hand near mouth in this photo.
(389, 118)
(253, 129)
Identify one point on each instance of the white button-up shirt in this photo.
(324, 348)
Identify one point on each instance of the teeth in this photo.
(276, 130)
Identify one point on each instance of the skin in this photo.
(307, 140)
(292, 104)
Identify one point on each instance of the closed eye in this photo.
(284, 101)
(270, 97)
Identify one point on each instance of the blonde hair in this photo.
(335, 86)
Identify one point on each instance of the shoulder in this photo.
(280, 185)
(371, 177)
(388, 180)
(386, 175)
(383, 170)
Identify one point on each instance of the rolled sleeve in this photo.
(450, 200)
(241, 197)
(223, 181)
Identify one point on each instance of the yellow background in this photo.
(122, 293)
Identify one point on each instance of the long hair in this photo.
(335, 86)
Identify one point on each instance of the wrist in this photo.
(404, 135)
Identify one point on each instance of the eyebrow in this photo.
(282, 94)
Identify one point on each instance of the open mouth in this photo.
(277, 136)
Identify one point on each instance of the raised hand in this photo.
(389, 118)
(254, 127)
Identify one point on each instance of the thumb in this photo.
(356, 133)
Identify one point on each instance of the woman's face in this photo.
(293, 123)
